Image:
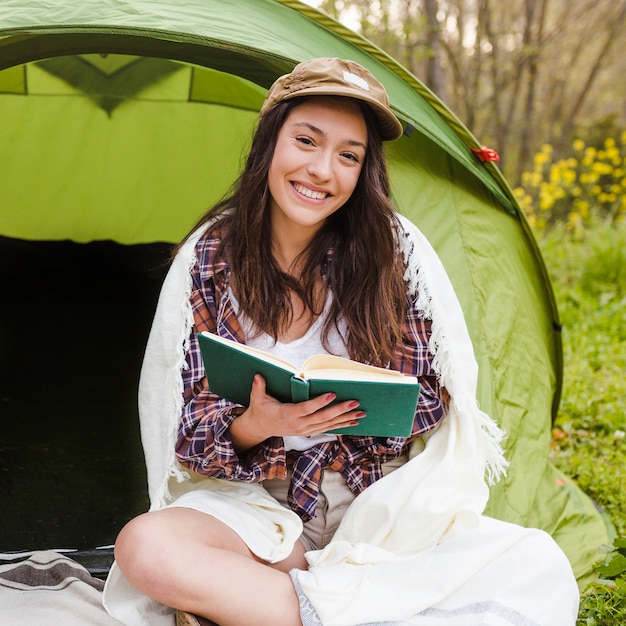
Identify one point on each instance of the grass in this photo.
(588, 272)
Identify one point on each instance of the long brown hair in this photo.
(365, 275)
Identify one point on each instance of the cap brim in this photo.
(389, 125)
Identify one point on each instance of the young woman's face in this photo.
(318, 157)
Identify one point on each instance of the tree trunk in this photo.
(434, 71)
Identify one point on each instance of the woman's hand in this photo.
(267, 417)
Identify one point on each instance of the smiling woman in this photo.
(302, 259)
(309, 256)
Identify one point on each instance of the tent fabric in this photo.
(125, 119)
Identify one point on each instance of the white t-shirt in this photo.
(296, 352)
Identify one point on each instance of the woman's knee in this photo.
(153, 539)
(140, 546)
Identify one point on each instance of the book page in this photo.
(319, 366)
(312, 366)
(358, 375)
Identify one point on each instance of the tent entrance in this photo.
(114, 157)
(74, 321)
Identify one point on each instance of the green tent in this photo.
(120, 122)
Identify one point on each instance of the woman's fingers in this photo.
(310, 417)
(328, 416)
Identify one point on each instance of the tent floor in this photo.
(74, 319)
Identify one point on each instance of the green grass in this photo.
(589, 278)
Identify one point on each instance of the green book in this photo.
(388, 397)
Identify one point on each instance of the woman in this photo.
(302, 258)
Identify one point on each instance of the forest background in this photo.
(543, 83)
(519, 74)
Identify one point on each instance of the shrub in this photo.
(588, 185)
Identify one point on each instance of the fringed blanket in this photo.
(46, 588)
(414, 547)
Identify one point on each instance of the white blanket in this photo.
(413, 548)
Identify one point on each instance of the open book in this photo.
(388, 398)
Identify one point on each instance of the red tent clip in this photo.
(486, 154)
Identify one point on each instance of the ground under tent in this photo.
(121, 121)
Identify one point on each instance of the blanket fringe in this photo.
(490, 436)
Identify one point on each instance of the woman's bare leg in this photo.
(192, 561)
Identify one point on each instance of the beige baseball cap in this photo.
(336, 77)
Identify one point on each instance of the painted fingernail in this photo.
(353, 405)
(360, 414)
(330, 397)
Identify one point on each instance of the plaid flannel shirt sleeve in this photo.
(204, 443)
(413, 358)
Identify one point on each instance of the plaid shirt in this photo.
(204, 444)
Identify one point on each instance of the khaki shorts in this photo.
(335, 497)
